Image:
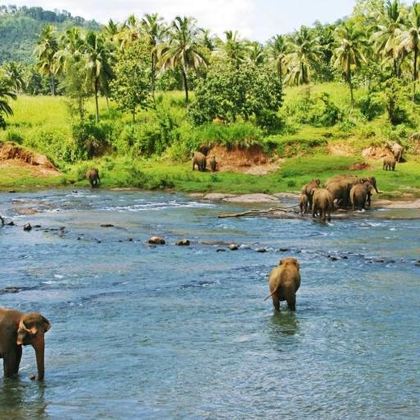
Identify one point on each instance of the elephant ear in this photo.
(23, 332)
(46, 325)
(281, 262)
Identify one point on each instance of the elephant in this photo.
(17, 329)
(397, 150)
(323, 204)
(360, 195)
(308, 190)
(199, 159)
(389, 163)
(213, 163)
(284, 282)
(340, 186)
(92, 176)
(303, 204)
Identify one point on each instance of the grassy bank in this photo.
(154, 153)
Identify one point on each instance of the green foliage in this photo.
(371, 105)
(132, 86)
(229, 92)
(318, 110)
(91, 138)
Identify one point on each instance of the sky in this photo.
(254, 19)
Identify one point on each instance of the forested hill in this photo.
(20, 27)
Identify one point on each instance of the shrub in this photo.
(371, 106)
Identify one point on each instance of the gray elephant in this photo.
(199, 160)
(303, 204)
(19, 329)
(389, 163)
(397, 150)
(92, 175)
(360, 195)
(323, 204)
(284, 282)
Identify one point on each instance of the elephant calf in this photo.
(213, 164)
(92, 175)
(303, 204)
(308, 190)
(389, 163)
(284, 282)
(17, 329)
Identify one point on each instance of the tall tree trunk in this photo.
(96, 100)
(415, 73)
(153, 75)
(52, 82)
(350, 84)
(184, 78)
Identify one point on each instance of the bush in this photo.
(14, 137)
(371, 106)
(91, 138)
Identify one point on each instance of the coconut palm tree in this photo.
(304, 52)
(386, 37)
(234, 48)
(410, 41)
(46, 49)
(98, 64)
(6, 92)
(183, 50)
(348, 56)
(15, 72)
(278, 52)
(256, 53)
(153, 28)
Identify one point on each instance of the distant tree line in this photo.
(377, 47)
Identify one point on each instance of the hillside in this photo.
(20, 27)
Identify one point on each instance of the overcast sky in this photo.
(255, 19)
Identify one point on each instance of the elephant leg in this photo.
(11, 362)
(276, 303)
(291, 302)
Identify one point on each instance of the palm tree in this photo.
(152, 26)
(278, 51)
(234, 48)
(46, 49)
(15, 72)
(410, 40)
(305, 52)
(348, 56)
(256, 53)
(98, 64)
(183, 50)
(6, 91)
(387, 35)
(70, 51)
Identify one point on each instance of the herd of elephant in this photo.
(340, 191)
(19, 329)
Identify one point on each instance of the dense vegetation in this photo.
(355, 83)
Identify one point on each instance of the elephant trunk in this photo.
(39, 347)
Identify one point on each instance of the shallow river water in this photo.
(184, 332)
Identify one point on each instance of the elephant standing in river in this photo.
(360, 195)
(284, 282)
(323, 204)
(19, 329)
(92, 176)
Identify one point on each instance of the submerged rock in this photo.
(233, 247)
(27, 227)
(183, 242)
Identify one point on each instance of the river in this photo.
(142, 331)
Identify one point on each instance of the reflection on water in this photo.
(141, 331)
(20, 400)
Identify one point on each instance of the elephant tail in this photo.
(271, 294)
